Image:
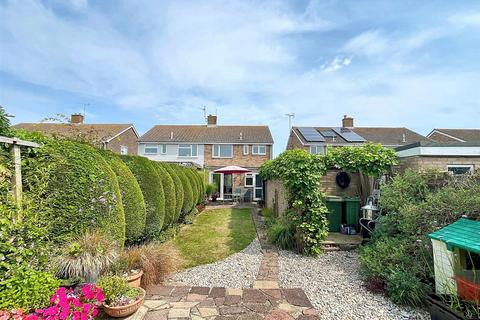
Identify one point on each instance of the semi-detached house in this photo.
(211, 147)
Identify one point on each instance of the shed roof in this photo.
(463, 234)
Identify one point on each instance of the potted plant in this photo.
(87, 257)
(129, 266)
(451, 307)
(211, 191)
(120, 300)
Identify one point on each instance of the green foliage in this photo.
(192, 178)
(211, 189)
(199, 176)
(5, 123)
(169, 193)
(300, 172)
(370, 159)
(73, 189)
(150, 183)
(281, 232)
(188, 202)
(115, 288)
(132, 198)
(177, 183)
(400, 253)
(27, 289)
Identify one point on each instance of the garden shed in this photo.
(456, 252)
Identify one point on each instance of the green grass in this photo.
(214, 235)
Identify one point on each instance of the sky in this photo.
(412, 64)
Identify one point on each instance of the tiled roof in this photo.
(463, 134)
(206, 134)
(463, 234)
(384, 136)
(102, 132)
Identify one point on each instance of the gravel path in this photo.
(237, 271)
(333, 284)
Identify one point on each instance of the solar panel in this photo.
(328, 134)
(311, 135)
(349, 135)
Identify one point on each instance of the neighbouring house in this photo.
(211, 147)
(119, 138)
(458, 158)
(454, 135)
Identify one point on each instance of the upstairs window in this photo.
(187, 150)
(259, 149)
(460, 169)
(151, 148)
(222, 151)
(317, 149)
(123, 150)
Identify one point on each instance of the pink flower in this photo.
(4, 315)
(87, 292)
(77, 315)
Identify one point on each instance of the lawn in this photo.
(214, 235)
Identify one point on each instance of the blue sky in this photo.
(386, 63)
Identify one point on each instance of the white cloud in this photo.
(466, 19)
(337, 63)
(369, 43)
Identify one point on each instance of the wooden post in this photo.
(17, 179)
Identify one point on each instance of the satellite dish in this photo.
(343, 179)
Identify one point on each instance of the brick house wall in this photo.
(441, 137)
(128, 139)
(238, 159)
(437, 162)
(295, 143)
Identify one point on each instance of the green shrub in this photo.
(191, 175)
(282, 233)
(169, 192)
(201, 182)
(152, 189)
(132, 198)
(73, 189)
(115, 288)
(187, 190)
(211, 189)
(404, 287)
(27, 289)
(177, 183)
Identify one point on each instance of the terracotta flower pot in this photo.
(125, 311)
(135, 279)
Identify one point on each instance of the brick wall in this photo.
(294, 142)
(238, 159)
(441, 163)
(128, 139)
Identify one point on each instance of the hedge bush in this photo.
(132, 198)
(177, 183)
(199, 176)
(169, 192)
(188, 204)
(73, 189)
(150, 183)
(192, 176)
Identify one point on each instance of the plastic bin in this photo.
(334, 206)
(468, 290)
(352, 211)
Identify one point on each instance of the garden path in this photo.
(265, 300)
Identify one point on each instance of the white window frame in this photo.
(216, 147)
(258, 153)
(188, 146)
(150, 145)
(249, 175)
(316, 149)
(470, 166)
(163, 149)
(246, 148)
(123, 150)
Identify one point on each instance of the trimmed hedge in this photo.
(132, 198)
(144, 170)
(73, 189)
(187, 190)
(194, 182)
(169, 192)
(177, 183)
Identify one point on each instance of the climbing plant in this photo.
(300, 172)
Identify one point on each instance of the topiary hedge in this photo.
(191, 175)
(187, 190)
(177, 183)
(169, 192)
(201, 185)
(132, 198)
(73, 189)
(150, 183)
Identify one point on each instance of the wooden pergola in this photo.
(15, 145)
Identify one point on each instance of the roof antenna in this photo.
(85, 105)
(290, 118)
(204, 108)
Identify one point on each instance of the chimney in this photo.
(347, 122)
(211, 120)
(77, 118)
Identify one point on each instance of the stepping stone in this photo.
(265, 284)
(262, 308)
(178, 313)
(231, 310)
(196, 297)
(275, 294)
(159, 290)
(279, 315)
(231, 300)
(291, 309)
(234, 292)
(156, 304)
(179, 291)
(208, 312)
(310, 312)
(157, 315)
(139, 315)
(297, 297)
(254, 295)
(248, 316)
(217, 292)
(200, 290)
(183, 304)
